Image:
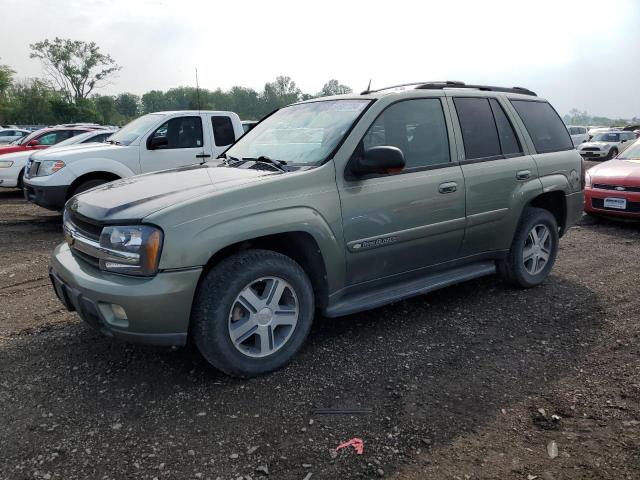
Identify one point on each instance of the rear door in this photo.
(497, 173)
(177, 142)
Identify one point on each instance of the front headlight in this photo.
(131, 250)
(48, 167)
(5, 164)
(587, 180)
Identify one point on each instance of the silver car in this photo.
(8, 135)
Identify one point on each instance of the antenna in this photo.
(198, 90)
(368, 90)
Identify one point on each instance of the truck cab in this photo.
(153, 142)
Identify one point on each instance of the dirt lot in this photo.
(473, 381)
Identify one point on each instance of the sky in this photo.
(578, 54)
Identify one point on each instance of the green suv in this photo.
(331, 206)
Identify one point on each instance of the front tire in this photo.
(252, 313)
(612, 153)
(533, 250)
(88, 185)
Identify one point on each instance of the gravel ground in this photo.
(473, 381)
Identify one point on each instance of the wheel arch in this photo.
(109, 176)
(300, 246)
(554, 202)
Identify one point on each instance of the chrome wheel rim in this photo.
(263, 317)
(537, 249)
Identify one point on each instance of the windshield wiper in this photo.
(279, 164)
(228, 160)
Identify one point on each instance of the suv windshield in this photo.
(132, 130)
(302, 134)
(631, 153)
(606, 137)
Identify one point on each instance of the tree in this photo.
(106, 108)
(279, 93)
(333, 87)
(30, 103)
(154, 101)
(6, 78)
(127, 105)
(75, 67)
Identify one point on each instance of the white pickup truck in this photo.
(157, 141)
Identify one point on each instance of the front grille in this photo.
(633, 207)
(84, 226)
(604, 186)
(590, 149)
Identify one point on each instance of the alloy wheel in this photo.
(263, 316)
(537, 249)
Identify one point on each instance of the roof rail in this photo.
(453, 83)
(487, 88)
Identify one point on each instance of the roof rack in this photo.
(455, 84)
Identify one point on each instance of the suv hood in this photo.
(131, 199)
(617, 172)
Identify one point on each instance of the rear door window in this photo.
(544, 125)
(479, 132)
(508, 139)
(222, 130)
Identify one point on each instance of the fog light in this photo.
(118, 311)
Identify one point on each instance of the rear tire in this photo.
(533, 250)
(252, 313)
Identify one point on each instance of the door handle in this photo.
(448, 187)
(523, 174)
(203, 155)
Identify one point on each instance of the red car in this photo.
(613, 188)
(43, 138)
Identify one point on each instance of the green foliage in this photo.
(577, 117)
(333, 87)
(74, 66)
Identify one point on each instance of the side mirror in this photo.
(383, 159)
(33, 143)
(155, 143)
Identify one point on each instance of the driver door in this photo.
(177, 142)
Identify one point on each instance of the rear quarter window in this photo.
(544, 125)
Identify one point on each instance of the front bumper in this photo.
(157, 308)
(594, 203)
(9, 176)
(52, 197)
(594, 154)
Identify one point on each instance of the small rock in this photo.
(311, 421)
(262, 469)
(116, 426)
(333, 453)
(552, 449)
(631, 423)
(199, 475)
(233, 456)
(191, 452)
(380, 472)
(308, 476)
(251, 450)
(532, 477)
(306, 465)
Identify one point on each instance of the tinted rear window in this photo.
(479, 132)
(222, 131)
(545, 127)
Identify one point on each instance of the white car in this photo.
(606, 145)
(8, 135)
(12, 165)
(156, 141)
(578, 134)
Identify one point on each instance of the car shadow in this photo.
(433, 367)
